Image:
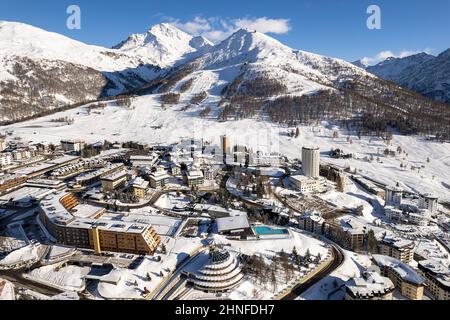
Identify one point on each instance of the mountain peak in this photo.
(445, 54)
(361, 64)
(245, 40)
(167, 30)
(163, 42)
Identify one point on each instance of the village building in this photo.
(113, 181)
(397, 248)
(306, 184)
(370, 286)
(72, 145)
(405, 278)
(437, 278)
(140, 187)
(159, 178)
(194, 178)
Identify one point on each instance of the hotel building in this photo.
(408, 281)
(75, 224)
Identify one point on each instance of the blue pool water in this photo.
(263, 230)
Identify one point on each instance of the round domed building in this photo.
(221, 273)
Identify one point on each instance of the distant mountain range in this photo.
(424, 73)
(248, 73)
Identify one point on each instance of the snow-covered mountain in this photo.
(250, 74)
(41, 70)
(392, 68)
(246, 75)
(18, 39)
(165, 43)
(423, 73)
(248, 56)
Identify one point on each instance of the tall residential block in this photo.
(311, 162)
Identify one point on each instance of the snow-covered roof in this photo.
(197, 174)
(397, 242)
(140, 183)
(369, 285)
(115, 176)
(100, 172)
(437, 270)
(26, 194)
(403, 270)
(233, 223)
(58, 214)
(159, 175)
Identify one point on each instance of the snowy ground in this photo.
(28, 254)
(270, 247)
(170, 200)
(69, 278)
(353, 197)
(139, 122)
(6, 290)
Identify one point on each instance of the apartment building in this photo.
(113, 181)
(92, 177)
(140, 187)
(11, 181)
(73, 145)
(305, 184)
(312, 222)
(194, 178)
(405, 279)
(437, 278)
(159, 178)
(6, 159)
(397, 248)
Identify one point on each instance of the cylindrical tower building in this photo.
(311, 162)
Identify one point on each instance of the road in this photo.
(338, 259)
(180, 284)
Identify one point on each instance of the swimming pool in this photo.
(265, 231)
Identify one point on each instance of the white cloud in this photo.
(217, 29)
(383, 55)
(265, 25)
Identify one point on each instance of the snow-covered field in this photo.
(269, 247)
(170, 200)
(148, 122)
(23, 256)
(69, 278)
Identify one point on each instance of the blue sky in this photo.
(331, 27)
